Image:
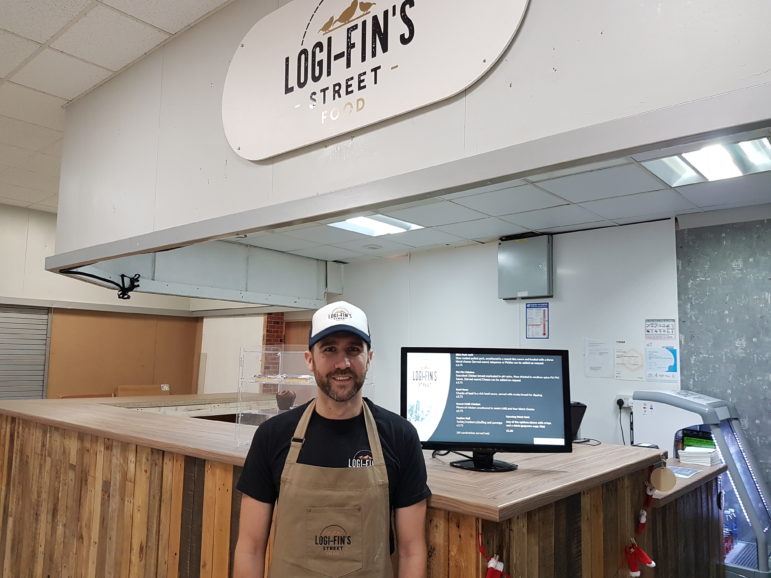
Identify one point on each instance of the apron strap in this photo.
(374, 442)
(298, 439)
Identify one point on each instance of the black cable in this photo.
(123, 288)
(620, 404)
(586, 441)
(631, 427)
(436, 453)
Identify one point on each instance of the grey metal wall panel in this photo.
(724, 286)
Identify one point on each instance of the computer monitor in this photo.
(484, 401)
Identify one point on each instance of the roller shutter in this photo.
(23, 352)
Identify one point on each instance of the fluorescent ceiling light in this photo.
(674, 171)
(757, 154)
(375, 225)
(714, 162)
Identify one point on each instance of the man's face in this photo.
(339, 363)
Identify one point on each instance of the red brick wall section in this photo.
(274, 335)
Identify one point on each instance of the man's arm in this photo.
(410, 525)
(253, 531)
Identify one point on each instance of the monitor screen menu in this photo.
(487, 400)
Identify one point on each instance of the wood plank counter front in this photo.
(91, 489)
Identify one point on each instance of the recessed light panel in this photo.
(674, 171)
(757, 154)
(713, 162)
(375, 225)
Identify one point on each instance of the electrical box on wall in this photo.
(525, 267)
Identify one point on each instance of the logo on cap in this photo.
(340, 315)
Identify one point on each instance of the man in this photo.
(335, 468)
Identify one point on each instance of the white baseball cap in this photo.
(338, 316)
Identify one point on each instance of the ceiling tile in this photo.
(109, 38)
(49, 204)
(426, 238)
(25, 135)
(29, 180)
(21, 194)
(434, 214)
(577, 169)
(324, 234)
(663, 216)
(739, 192)
(169, 16)
(513, 200)
(41, 19)
(376, 247)
(336, 219)
(45, 208)
(483, 229)
(327, 253)
(13, 51)
(565, 215)
(14, 202)
(23, 103)
(11, 156)
(59, 74)
(581, 227)
(398, 207)
(39, 163)
(642, 205)
(54, 149)
(276, 242)
(492, 186)
(604, 183)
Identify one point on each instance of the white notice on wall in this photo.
(537, 316)
(598, 361)
(629, 361)
(661, 350)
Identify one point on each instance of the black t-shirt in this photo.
(337, 444)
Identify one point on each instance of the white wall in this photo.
(607, 282)
(223, 339)
(26, 239)
(147, 152)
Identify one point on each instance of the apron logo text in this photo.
(333, 538)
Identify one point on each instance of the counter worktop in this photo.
(540, 479)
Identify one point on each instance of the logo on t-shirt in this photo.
(362, 459)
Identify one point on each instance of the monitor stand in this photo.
(482, 461)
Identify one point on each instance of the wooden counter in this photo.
(686, 524)
(102, 490)
(539, 480)
(683, 486)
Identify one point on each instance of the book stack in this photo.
(698, 455)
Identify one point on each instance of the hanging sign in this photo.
(314, 69)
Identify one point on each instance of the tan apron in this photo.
(332, 521)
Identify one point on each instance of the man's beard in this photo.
(326, 384)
